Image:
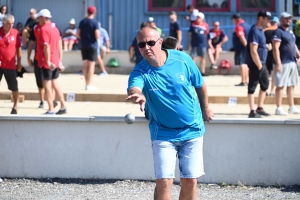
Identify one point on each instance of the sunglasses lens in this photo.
(141, 44)
(151, 43)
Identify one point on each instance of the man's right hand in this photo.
(137, 98)
(277, 68)
(30, 63)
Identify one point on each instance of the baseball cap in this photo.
(43, 13)
(285, 15)
(264, 13)
(72, 21)
(150, 19)
(236, 16)
(91, 10)
(194, 15)
(274, 20)
(201, 15)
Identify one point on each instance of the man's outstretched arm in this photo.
(207, 113)
(135, 95)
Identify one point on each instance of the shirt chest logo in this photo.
(180, 77)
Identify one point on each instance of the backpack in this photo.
(224, 64)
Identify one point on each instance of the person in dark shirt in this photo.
(169, 43)
(134, 53)
(198, 41)
(285, 53)
(88, 32)
(273, 25)
(256, 56)
(216, 38)
(239, 41)
(175, 29)
(26, 31)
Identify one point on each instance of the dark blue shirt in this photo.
(87, 28)
(174, 27)
(241, 29)
(256, 36)
(199, 34)
(287, 47)
(216, 36)
(137, 53)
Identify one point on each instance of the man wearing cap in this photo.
(198, 41)
(175, 29)
(69, 36)
(10, 48)
(193, 13)
(49, 50)
(256, 56)
(239, 41)
(271, 27)
(285, 53)
(153, 24)
(216, 38)
(88, 32)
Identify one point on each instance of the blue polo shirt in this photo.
(174, 27)
(256, 36)
(242, 28)
(199, 34)
(172, 104)
(287, 47)
(87, 28)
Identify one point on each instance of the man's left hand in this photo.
(19, 67)
(207, 115)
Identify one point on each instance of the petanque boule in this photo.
(129, 118)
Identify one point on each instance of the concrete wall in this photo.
(264, 152)
(73, 63)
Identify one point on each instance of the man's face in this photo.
(8, 25)
(172, 17)
(42, 20)
(216, 26)
(149, 35)
(265, 21)
(191, 10)
(234, 21)
(285, 21)
(199, 19)
(32, 13)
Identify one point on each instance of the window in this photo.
(166, 5)
(212, 5)
(255, 5)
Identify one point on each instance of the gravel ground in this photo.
(54, 189)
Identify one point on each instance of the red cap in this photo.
(91, 10)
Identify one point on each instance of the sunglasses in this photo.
(150, 43)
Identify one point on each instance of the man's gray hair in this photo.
(7, 18)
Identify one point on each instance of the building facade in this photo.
(122, 18)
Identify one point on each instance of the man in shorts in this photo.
(256, 56)
(285, 52)
(216, 38)
(198, 41)
(103, 49)
(239, 41)
(10, 48)
(172, 85)
(88, 32)
(49, 49)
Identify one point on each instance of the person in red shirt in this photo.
(10, 47)
(49, 53)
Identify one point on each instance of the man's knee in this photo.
(188, 182)
(164, 182)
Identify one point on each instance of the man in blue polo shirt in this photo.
(256, 56)
(198, 40)
(285, 52)
(171, 84)
(239, 41)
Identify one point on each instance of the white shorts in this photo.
(287, 76)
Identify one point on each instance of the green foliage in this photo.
(297, 28)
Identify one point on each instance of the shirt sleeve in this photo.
(106, 37)
(222, 35)
(277, 35)
(239, 31)
(44, 37)
(253, 38)
(135, 80)
(178, 26)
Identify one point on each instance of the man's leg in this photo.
(261, 98)
(59, 93)
(84, 69)
(163, 188)
(253, 81)
(202, 64)
(15, 95)
(188, 188)
(164, 156)
(190, 155)
(49, 93)
(101, 64)
(217, 54)
(90, 72)
(290, 95)
(71, 43)
(25, 36)
(210, 53)
(12, 83)
(245, 73)
(278, 96)
(65, 45)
